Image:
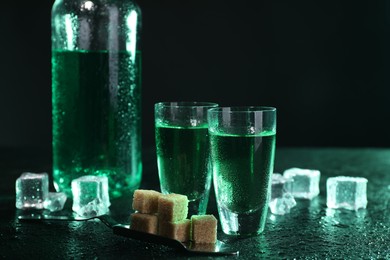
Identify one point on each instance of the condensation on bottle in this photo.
(96, 93)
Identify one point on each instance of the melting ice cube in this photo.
(90, 195)
(346, 192)
(305, 182)
(55, 201)
(281, 201)
(31, 190)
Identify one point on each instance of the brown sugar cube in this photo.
(204, 229)
(172, 207)
(146, 201)
(176, 230)
(144, 222)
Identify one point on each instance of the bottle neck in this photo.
(95, 25)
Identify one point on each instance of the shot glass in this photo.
(242, 143)
(183, 154)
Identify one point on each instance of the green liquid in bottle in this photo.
(96, 119)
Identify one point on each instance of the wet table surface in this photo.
(310, 231)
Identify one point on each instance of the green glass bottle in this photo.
(96, 93)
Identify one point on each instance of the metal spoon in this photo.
(219, 248)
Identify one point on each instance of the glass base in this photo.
(243, 224)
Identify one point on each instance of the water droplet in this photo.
(194, 122)
(340, 225)
(251, 130)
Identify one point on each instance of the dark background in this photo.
(323, 64)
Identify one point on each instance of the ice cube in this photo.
(346, 192)
(55, 201)
(305, 182)
(281, 201)
(93, 208)
(90, 195)
(277, 185)
(282, 205)
(31, 190)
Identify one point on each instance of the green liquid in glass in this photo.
(242, 167)
(96, 119)
(183, 160)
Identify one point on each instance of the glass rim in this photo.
(242, 109)
(185, 104)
